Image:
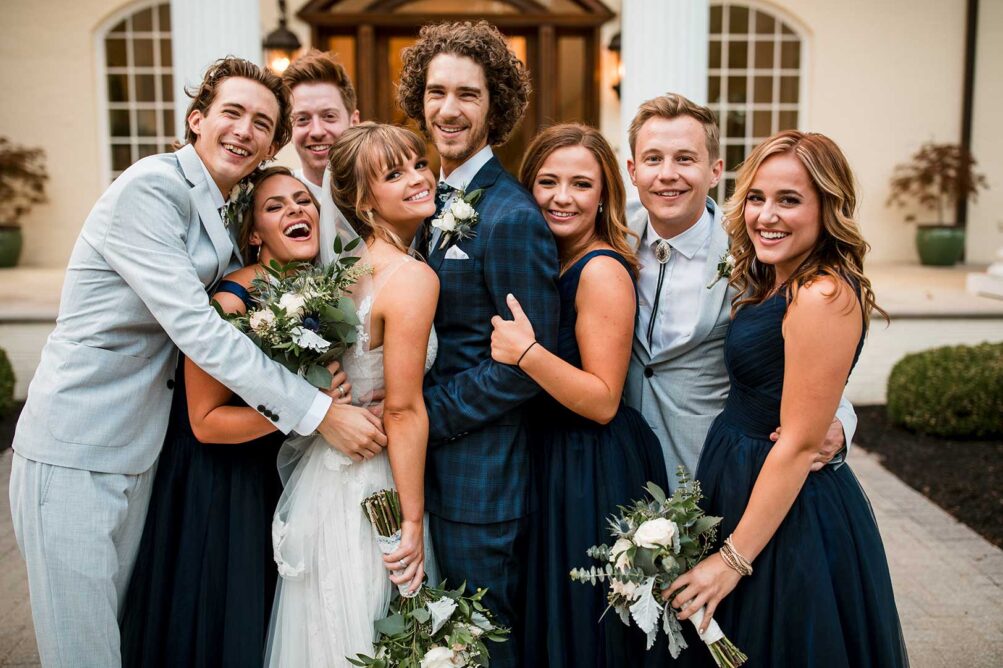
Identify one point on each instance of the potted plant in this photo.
(22, 185)
(936, 178)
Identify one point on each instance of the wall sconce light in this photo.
(281, 45)
(614, 47)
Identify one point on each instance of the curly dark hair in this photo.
(506, 76)
(224, 68)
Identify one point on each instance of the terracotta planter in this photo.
(940, 246)
(10, 245)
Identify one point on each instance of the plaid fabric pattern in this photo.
(478, 460)
(488, 556)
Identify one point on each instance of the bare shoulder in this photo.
(825, 295)
(413, 287)
(605, 275)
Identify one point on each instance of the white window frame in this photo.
(101, 33)
(721, 108)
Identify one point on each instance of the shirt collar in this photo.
(688, 242)
(461, 177)
(214, 191)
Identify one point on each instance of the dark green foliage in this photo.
(6, 384)
(955, 391)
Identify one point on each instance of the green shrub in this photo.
(6, 384)
(955, 391)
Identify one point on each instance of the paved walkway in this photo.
(948, 580)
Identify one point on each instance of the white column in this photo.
(663, 44)
(203, 31)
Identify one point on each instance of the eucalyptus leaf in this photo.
(319, 377)
(391, 625)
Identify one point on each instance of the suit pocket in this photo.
(100, 396)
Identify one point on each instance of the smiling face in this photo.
(783, 214)
(673, 172)
(235, 134)
(568, 188)
(456, 108)
(319, 117)
(285, 221)
(403, 196)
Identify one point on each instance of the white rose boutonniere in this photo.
(458, 220)
(724, 267)
(241, 199)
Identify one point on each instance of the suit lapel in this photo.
(484, 179)
(191, 166)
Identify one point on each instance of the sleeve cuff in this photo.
(311, 420)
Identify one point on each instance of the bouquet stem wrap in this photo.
(384, 511)
(387, 545)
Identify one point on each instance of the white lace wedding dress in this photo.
(332, 582)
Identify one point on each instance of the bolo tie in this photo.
(663, 251)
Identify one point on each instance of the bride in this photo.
(333, 578)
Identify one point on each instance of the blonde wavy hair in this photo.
(611, 223)
(360, 155)
(840, 249)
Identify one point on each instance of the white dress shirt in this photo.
(682, 286)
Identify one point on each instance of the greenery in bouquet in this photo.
(656, 541)
(303, 318)
(434, 628)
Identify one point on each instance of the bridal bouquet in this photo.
(656, 542)
(303, 319)
(433, 628)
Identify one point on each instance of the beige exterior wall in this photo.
(985, 218)
(50, 100)
(883, 77)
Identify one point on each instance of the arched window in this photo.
(755, 79)
(136, 80)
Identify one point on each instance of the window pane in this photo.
(735, 154)
(114, 51)
(737, 91)
(763, 90)
(738, 55)
(146, 89)
(119, 27)
(142, 21)
(738, 20)
(165, 53)
(762, 124)
(118, 88)
(729, 187)
(787, 29)
(788, 120)
(765, 25)
(714, 54)
(142, 50)
(715, 19)
(736, 123)
(789, 90)
(571, 82)
(121, 156)
(167, 88)
(764, 55)
(714, 90)
(148, 149)
(146, 123)
(790, 55)
(118, 120)
(168, 122)
(165, 17)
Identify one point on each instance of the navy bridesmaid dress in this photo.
(820, 595)
(202, 588)
(582, 471)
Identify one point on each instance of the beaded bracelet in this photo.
(734, 559)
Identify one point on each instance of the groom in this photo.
(135, 293)
(467, 92)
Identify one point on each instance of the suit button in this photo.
(170, 383)
(261, 409)
(274, 417)
(648, 372)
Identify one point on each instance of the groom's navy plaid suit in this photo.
(478, 472)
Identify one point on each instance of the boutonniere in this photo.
(458, 221)
(724, 267)
(241, 199)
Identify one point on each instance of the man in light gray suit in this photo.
(136, 290)
(677, 378)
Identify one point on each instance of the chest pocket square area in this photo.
(456, 253)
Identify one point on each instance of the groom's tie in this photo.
(663, 251)
(443, 193)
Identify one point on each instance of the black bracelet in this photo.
(519, 361)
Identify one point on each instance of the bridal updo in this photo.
(362, 154)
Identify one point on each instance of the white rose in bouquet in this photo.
(292, 303)
(626, 589)
(655, 533)
(619, 553)
(461, 209)
(261, 320)
(438, 657)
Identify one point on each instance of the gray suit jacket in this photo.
(681, 389)
(136, 290)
